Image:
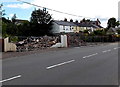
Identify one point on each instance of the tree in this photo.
(23, 28)
(40, 22)
(5, 23)
(65, 19)
(8, 28)
(118, 31)
(117, 23)
(71, 20)
(12, 29)
(2, 12)
(111, 23)
(40, 16)
(76, 21)
(14, 18)
(83, 20)
(5, 20)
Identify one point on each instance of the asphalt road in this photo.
(97, 65)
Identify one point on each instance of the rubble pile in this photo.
(36, 43)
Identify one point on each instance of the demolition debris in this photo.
(36, 43)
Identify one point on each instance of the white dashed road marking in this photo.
(90, 55)
(60, 64)
(116, 48)
(15, 77)
(106, 51)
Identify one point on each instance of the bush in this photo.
(13, 39)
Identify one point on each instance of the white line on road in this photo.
(116, 48)
(60, 64)
(15, 77)
(90, 55)
(76, 47)
(106, 51)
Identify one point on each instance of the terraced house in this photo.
(63, 26)
(75, 27)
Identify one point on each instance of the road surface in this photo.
(97, 65)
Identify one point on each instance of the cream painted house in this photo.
(63, 27)
(73, 27)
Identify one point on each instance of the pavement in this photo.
(90, 65)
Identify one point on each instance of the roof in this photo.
(95, 26)
(20, 20)
(65, 23)
(86, 25)
(112, 30)
(99, 26)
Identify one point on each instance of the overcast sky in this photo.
(102, 9)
